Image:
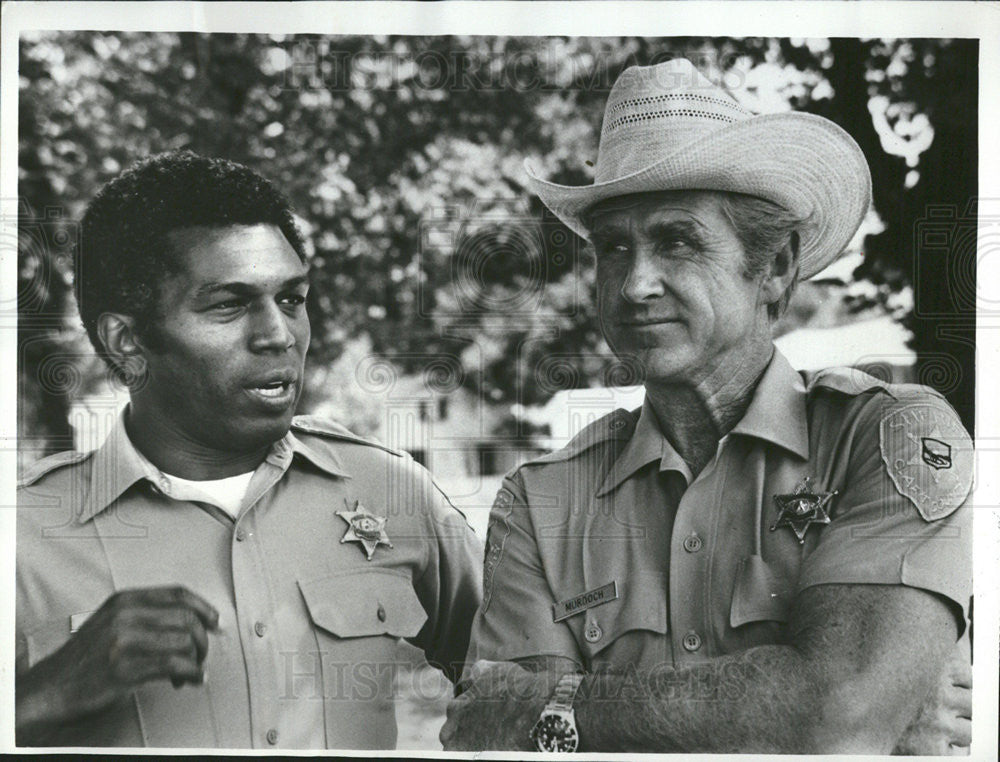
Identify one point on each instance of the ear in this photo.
(783, 270)
(121, 344)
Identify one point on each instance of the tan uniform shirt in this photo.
(608, 553)
(309, 626)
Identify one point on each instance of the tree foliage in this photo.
(402, 156)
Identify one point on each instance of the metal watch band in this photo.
(565, 692)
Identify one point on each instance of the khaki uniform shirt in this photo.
(306, 655)
(608, 553)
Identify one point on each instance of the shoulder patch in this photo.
(616, 425)
(928, 455)
(324, 427)
(37, 470)
(496, 538)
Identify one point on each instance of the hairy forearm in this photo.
(769, 698)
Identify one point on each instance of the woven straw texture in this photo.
(667, 127)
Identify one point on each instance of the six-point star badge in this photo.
(365, 528)
(801, 509)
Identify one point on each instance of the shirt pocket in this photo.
(47, 638)
(369, 603)
(759, 594)
(358, 619)
(628, 629)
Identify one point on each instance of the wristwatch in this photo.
(556, 727)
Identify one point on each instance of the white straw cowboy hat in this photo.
(668, 127)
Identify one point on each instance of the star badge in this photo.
(365, 528)
(802, 509)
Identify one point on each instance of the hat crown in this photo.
(652, 111)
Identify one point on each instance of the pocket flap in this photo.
(359, 604)
(642, 605)
(759, 594)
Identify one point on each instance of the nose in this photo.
(644, 280)
(270, 330)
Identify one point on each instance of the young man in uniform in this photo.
(220, 573)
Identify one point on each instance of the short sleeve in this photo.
(903, 514)
(449, 587)
(515, 620)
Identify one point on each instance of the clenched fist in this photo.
(136, 636)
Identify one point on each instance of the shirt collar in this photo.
(646, 445)
(777, 414)
(117, 465)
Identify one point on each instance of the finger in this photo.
(182, 670)
(961, 701)
(138, 668)
(961, 674)
(173, 596)
(961, 732)
(482, 666)
(179, 619)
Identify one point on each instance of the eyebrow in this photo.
(685, 228)
(246, 289)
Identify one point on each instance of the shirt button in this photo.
(692, 543)
(240, 535)
(692, 641)
(272, 736)
(380, 613)
(260, 628)
(593, 633)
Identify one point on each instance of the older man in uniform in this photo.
(219, 573)
(757, 560)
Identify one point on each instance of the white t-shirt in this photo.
(226, 493)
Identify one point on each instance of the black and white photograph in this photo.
(500, 377)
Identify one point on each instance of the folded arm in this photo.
(861, 659)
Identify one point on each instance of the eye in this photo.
(228, 305)
(292, 300)
(611, 247)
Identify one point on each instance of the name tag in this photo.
(583, 601)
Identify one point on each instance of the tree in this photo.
(403, 158)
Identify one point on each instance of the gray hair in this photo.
(763, 229)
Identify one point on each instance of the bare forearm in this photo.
(39, 709)
(766, 699)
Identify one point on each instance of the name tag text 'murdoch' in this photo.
(567, 608)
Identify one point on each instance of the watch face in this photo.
(555, 733)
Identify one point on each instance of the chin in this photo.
(663, 365)
(259, 433)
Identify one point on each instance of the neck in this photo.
(174, 452)
(694, 417)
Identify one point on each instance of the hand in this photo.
(498, 708)
(135, 637)
(944, 724)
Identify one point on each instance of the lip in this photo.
(274, 401)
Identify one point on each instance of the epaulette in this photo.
(616, 425)
(324, 427)
(40, 468)
(852, 381)
(845, 380)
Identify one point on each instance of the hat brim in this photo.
(802, 162)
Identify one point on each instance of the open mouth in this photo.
(274, 393)
(272, 390)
